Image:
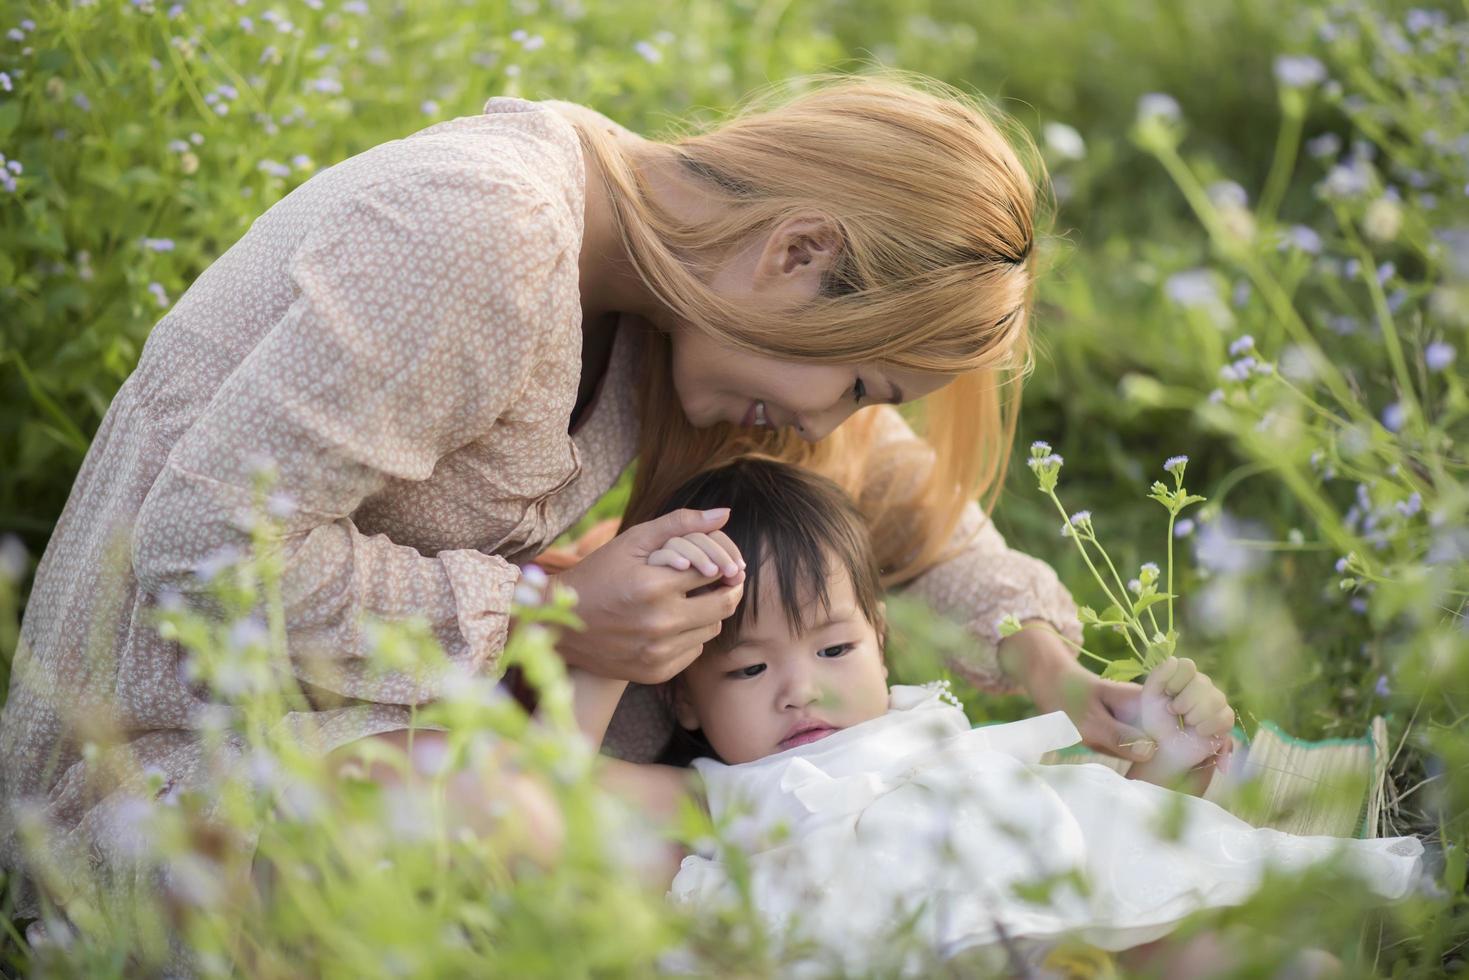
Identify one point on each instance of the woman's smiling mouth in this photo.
(755, 415)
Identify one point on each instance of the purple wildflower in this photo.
(1438, 356)
(1325, 145)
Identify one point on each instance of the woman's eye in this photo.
(754, 670)
(859, 391)
(836, 651)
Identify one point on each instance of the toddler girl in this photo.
(879, 827)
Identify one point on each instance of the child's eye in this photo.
(835, 651)
(754, 670)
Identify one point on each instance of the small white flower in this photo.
(648, 52)
(216, 562)
(1157, 105)
(1299, 71)
(281, 505)
(1194, 288)
(247, 633)
(14, 559)
(1228, 194)
(1064, 141)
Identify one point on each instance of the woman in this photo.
(449, 346)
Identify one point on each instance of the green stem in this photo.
(1069, 641)
(1385, 320)
(1098, 575)
(1286, 144)
(1172, 514)
(1280, 303)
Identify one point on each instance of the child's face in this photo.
(775, 690)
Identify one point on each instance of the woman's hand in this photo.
(1106, 713)
(642, 624)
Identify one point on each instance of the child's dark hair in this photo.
(802, 524)
(805, 527)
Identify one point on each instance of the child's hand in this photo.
(1176, 689)
(712, 554)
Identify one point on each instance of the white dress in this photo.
(916, 823)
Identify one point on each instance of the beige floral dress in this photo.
(400, 339)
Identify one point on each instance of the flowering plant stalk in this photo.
(1149, 642)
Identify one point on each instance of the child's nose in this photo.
(801, 690)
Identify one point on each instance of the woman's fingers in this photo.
(713, 606)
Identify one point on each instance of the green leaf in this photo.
(1123, 670)
(9, 118)
(1113, 614)
(1149, 600)
(1454, 868)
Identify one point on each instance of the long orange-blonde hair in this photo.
(935, 196)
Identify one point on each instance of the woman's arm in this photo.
(416, 326)
(593, 700)
(984, 581)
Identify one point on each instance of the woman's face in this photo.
(717, 383)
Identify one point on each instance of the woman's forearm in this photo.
(1035, 658)
(593, 701)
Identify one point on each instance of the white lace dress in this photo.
(915, 824)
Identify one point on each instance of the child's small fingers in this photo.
(1153, 683)
(1217, 722)
(729, 546)
(1193, 694)
(668, 558)
(1207, 707)
(715, 551)
(1184, 672)
(694, 555)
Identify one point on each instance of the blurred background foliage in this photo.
(1293, 172)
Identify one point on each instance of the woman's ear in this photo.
(683, 706)
(797, 254)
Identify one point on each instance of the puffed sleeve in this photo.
(415, 327)
(983, 581)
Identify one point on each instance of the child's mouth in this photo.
(806, 735)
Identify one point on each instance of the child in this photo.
(868, 814)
